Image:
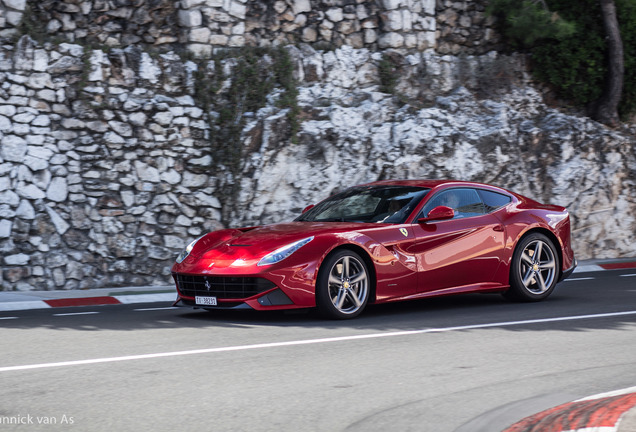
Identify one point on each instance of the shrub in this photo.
(528, 21)
(575, 64)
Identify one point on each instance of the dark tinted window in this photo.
(493, 200)
(465, 202)
(381, 204)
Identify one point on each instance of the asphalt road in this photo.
(465, 363)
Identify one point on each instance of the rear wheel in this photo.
(343, 285)
(534, 269)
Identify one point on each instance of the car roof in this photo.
(428, 183)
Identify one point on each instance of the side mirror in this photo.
(306, 209)
(437, 214)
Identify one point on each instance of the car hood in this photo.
(254, 243)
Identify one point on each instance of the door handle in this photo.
(498, 228)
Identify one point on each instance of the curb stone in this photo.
(15, 300)
(605, 412)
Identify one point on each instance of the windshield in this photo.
(381, 204)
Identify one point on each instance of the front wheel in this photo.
(343, 285)
(534, 269)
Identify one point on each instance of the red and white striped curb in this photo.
(585, 267)
(88, 301)
(598, 413)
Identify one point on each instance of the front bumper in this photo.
(566, 273)
(230, 292)
(184, 302)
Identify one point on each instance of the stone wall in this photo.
(101, 166)
(464, 28)
(199, 26)
(384, 24)
(107, 167)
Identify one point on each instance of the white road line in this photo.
(609, 394)
(154, 309)
(578, 279)
(628, 275)
(310, 341)
(8, 318)
(75, 313)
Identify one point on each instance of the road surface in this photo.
(464, 363)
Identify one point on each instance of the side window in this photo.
(465, 202)
(493, 200)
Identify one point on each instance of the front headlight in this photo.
(282, 253)
(185, 252)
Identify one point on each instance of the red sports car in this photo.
(383, 242)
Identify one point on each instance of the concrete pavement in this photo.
(615, 412)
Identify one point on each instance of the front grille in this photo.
(222, 287)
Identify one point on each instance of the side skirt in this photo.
(477, 288)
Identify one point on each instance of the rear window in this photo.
(493, 200)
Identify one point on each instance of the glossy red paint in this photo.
(405, 261)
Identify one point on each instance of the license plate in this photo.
(205, 301)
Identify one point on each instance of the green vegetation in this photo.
(255, 73)
(528, 21)
(32, 25)
(388, 71)
(237, 82)
(284, 72)
(568, 45)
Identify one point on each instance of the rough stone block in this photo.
(429, 6)
(300, 6)
(13, 148)
(188, 4)
(190, 18)
(13, 18)
(392, 20)
(17, 259)
(237, 10)
(370, 36)
(5, 228)
(391, 4)
(236, 41)
(15, 4)
(334, 15)
(426, 40)
(391, 40)
(220, 40)
(309, 34)
(407, 20)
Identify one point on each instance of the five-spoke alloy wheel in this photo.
(534, 269)
(343, 285)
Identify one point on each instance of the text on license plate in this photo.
(206, 301)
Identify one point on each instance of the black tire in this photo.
(343, 286)
(534, 270)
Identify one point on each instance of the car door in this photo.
(463, 251)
